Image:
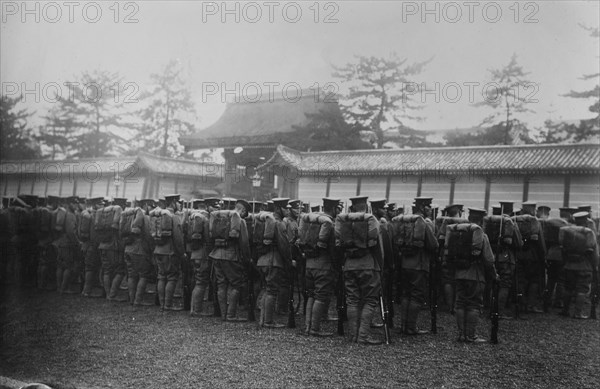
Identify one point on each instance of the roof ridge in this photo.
(304, 94)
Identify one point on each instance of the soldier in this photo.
(543, 212)
(28, 241)
(531, 258)
(118, 267)
(291, 221)
(362, 268)
(470, 271)
(199, 250)
(89, 244)
(230, 251)
(138, 251)
(580, 254)
(169, 249)
(566, 213)
(448, 280)
(272, 264)
(504, 247)
(46, 254)
(390, 253)
(67, 244)
(322, 258)
(554, 262)
(415, 267)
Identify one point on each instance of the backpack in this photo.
(314, 232)
(106, 222)
(409, 232)
(224, 226)
(529, 226)
(161, 226)
(551, 228)
(84, 228)
(42, 219)
(576, 241)
(59, 217)
(463, 244)
(442, 222)
(263, 229)
(197, 230)
(491, 226)
(356, 230)
(128, 227)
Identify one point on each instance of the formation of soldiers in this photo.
(382, 266)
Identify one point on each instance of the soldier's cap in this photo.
(359, 200)
(29, 199)
(529, 204)
(378, 203)
(53, 199)
(146, 201)
(72, 199)
(544, 208)
(477, 212)
(305, 207)
(315, 208)
(255, 206)
(328, 202)
(94, 200)
(245, 204)
(570, 210)
(391, 206)
(585, 208)
(197, 201)
(580, 215)
(295, 204)
(457, 206)
(280, 202)
(172, 197)
(423, 201)
(120, 201)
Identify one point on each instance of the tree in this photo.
(588, 128)
(507, 95)
(15, 135)
(91, 116)
(493, 135)
(55, 135)
(377, 92)
(327, 130)
(166, 116)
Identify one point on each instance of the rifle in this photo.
(185, 266)
(433, 290)
(291, 313)
(384, 318)
(494, 312)
(250, 271)
(341, 303)
(213, 285)
(595, 294)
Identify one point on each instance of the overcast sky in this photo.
(285, 47)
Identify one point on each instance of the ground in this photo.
(79, 343)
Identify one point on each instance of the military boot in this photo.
(403, 316)
(222, 299)
(449, 296)
(232, 305)
(87, 285)
(282, 301)
(503, 294)
(472, 318)
(141, 292)
(197, 300)
(580, 300)
(319, 310)
(160, 293)
(352, 313)
(269, 308)
(114, 289)
(533, 300)
(460, 322)
(566, 303)
(132, 288)
(309, 312)
(364, 330)
(411, 320)
(169, 295)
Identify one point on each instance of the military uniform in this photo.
(138, 252)
(415, 271)
(67, 246)
(470, 285)
(168, 257)
(273, 263)
(230, 271)
(291, 222)
(362, 280)
(578, 271)
(202, 263)
(89, 245)
(320, 275)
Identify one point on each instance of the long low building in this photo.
(141, 176)
(556, 175)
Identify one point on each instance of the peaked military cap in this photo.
(544, 208)
(280, 202)
(580, 215)
(496, 210)
(72, 199)
(423, 200)
(477, 211)
(328, 202)
(359, 200)
(585, 208)
(507, 207)
(391, 206)
(172, 197)
(378, 203)
(315, 208)
(255, 205)
(120, 201)
(245, 204)
(270, 206)
(294, 204)
(94, 200)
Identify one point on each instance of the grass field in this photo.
(79, 343)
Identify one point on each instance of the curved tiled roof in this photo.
(264, 122)
(548, 158)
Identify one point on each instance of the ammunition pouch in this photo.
(356, 253)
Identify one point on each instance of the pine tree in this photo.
(15, 134)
